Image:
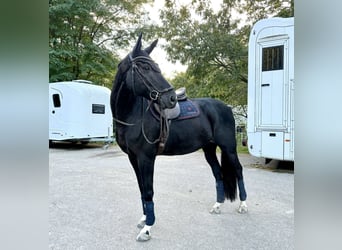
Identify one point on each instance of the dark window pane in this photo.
(98, 109)
(56, 100)
(273, 58)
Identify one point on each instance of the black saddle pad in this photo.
(187, 110)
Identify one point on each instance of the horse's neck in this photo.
(127, 106)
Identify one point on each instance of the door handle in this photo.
(265, 85)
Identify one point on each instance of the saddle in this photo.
(184, 109)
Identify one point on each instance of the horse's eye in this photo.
(146, 67)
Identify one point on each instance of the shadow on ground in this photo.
(276, 166)
(75, 145)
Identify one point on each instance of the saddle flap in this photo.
(170, 114)
(173, 113)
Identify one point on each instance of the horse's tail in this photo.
(229, 177)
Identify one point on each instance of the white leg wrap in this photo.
(243, 207)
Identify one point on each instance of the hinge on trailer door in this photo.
(292, 84)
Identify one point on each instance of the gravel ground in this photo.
(95, 203)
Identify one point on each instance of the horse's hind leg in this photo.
(210, 156)
(233, 160)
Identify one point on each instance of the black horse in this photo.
(137, 88)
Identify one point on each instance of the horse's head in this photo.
(144, 77)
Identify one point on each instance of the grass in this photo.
(240, 148)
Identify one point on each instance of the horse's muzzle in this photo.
(168, 100)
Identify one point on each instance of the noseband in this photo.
(155, 93)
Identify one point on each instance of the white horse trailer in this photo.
(79, 112)
(270, 122)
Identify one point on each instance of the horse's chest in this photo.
(126, 136)
(120, 138)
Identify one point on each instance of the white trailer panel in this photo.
(270, 123)
(79, 111)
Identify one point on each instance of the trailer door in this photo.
(272, 84)
(56, 119)
(272, 95)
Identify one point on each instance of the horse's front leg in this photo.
(145, 232)
(145, 172)
(134, 162)
(142, 221)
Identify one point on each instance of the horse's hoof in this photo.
(144, 236)
(216, 209)
(243, 207)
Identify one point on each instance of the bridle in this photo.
(154, 94)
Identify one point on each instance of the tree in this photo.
(214, 44)
(85, 35)
(260, 9)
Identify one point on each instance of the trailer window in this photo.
(273, 58)
(56, 100)
(98, 109)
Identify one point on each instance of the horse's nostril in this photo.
(172, 98)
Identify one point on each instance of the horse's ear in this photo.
(151, 47)
(137, 47)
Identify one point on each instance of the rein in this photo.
(163, 133)
(116, 104)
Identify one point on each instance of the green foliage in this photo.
(85, 35)
(259, 9)
(214, 44)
